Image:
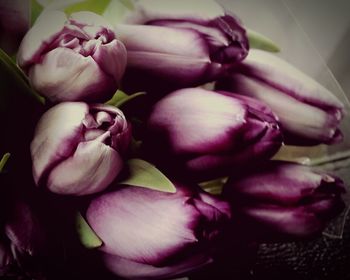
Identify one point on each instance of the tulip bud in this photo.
(74, 59)
(204, 133)
(309, 114)
(77, 147)
(179, 44)
(281, 200)
(150, 234)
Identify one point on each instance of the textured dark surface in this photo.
(324, 258)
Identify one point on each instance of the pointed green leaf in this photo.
(214, 186)
(3, 161)
(145, 175)
(97, 7)
(259, 41)
(86, 235)
(120, 98)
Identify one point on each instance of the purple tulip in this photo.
(179, 44)
(14, 23)
(152, 234)
(77, 147)
(309, 114)
(281, 200)
(74, 59)
(205, 133)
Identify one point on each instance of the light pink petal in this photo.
(86, 18)
(111, 58)
(64, 75)
(199, 121)
(143, 225)
(297, 117)
(57, 136)
(45, 30)
(290, 80)
(90, 169)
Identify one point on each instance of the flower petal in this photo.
(196, 121)
(135, 270)
(47, 28)
(64, 75)
(111, 58)
(91, 168)
(143, 225)
(56, 136)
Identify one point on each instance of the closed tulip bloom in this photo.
(203, 133)
(152, 234)
(74, 59)
(179, 44)
(282, 201)
(309, 114)
(77, 148)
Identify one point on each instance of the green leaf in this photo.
(259, 41)
(86, 235)
(3, 161)
(214, 186)
(36, 10)
(7, 65)
(120, 98)
(145, 175)
(95, 6)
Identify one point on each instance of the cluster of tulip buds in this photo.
(82, 144)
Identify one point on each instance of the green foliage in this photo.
(85, 233)
(120, 98)
(259, 41)
(145, 175)
(3, 161)
(95, 6)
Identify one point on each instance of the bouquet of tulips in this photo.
(148, 143)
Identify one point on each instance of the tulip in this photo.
(283, 201)
(14, 23)
(203, 133)
(179, 44)
(74, 59)
(309, 114)
(151, 234)
(77, 148)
